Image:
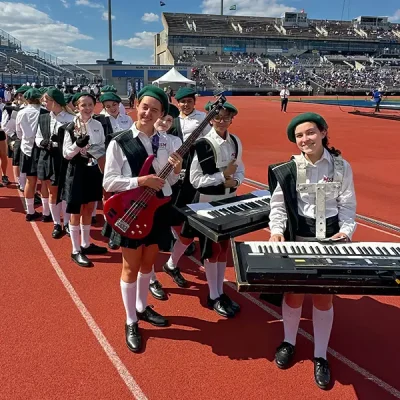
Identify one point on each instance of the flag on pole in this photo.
(162, 3)
(233, 8)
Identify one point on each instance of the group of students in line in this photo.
(81, 158)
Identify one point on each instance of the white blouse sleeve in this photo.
(70, 150)
(175, 144)
(278, 214)
(114, 180)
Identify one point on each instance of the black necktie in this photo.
(155, 142)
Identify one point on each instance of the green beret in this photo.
(227, 106)
(56, 95)
(22, 89)
(107, 89)
(32, 94)
(43, 90)
(300, 119)
(110, 96)
(68, 98)
(156, 93)
(77, 96)
(185, 92)
(173, 111)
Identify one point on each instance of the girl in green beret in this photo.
(81, 184)
(50, 157)
(126, 154)
(217, 170)
(313, 198)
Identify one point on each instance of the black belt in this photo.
(307, 226)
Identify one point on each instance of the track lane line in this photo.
(355, 367)
(122, 370)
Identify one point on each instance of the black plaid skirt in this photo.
(49, 165)
(160, 234)
(28, 164)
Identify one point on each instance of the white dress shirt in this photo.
(26, 126)
(228, 153)
(56, 121)
(96, 138)
(284, 93)
(344, 206)
(190, 122)
(121, 123)
(8, 124)
(117, 172)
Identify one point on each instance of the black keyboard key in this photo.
(312, 249)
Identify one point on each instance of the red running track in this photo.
(49, 351)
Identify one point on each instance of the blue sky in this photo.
(77, 31)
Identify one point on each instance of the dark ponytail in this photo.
(325, 141)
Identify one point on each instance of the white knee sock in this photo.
(94, 213)
(322, 322)
(45, 204)
(75, 239)
(291, 320)
(221, 267)
(55, 210)
(212, 278)
(177, 252)
(22, 180)
(153, 275)
(128, 291)
(85, 236)
(143, 290)
(66, 216)
(30, 208)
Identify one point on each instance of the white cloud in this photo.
(150, 17)
(36, 30)
(88, 3)
(65, 3)
(395, 17)
(260, 8)
(104, 16)
(140, 40)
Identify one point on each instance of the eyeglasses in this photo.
(219, 119)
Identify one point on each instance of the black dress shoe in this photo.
(190, 250)
(112, 245)
(133, 337)
(221, 307)
(66, 229)
(157, 291)
(32, 217)
(47, 218)
(5, 180)
(93, 250)
(57, 231)
(322, 373)
(81, 260)
(235, 306)
(284, 355)
(176, 275)
(152, 317)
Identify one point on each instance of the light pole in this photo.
(110, 55)
(222, 7)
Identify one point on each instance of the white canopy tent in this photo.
(173, 76)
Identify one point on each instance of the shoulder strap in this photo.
(44, 123)
(178, 129)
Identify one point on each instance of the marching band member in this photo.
(8, 123)
(3, 150)
(50, 158)
(312, 198)
(183, 192)
(26, 126)
(126, 154)
(216, 172)
(119, 122)
(84, 149)
(111, 89)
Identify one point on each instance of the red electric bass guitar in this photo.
(131, 213)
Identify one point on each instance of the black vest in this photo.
(286, 175)
(207, 159)
(44, 123)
